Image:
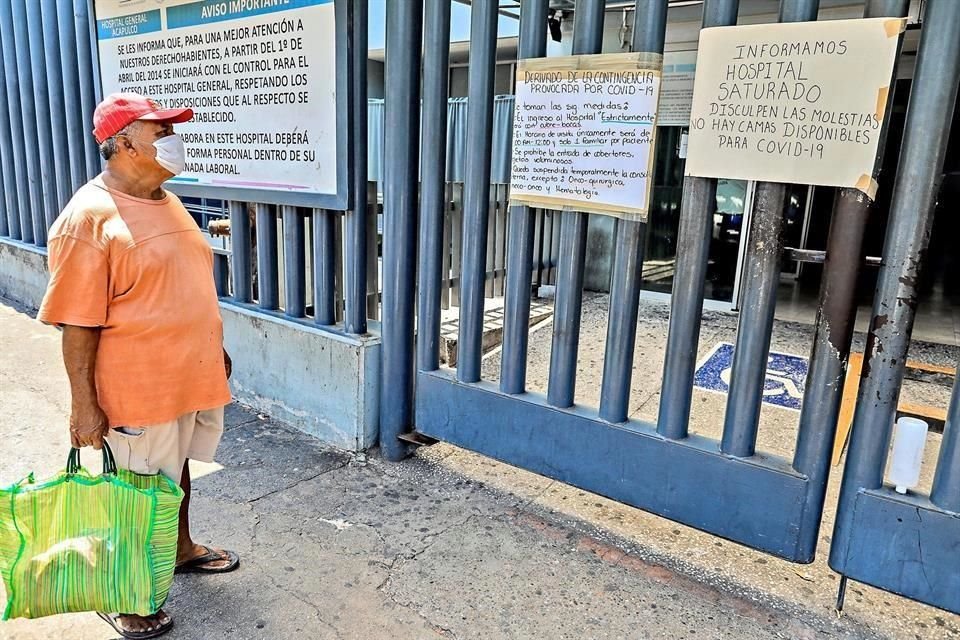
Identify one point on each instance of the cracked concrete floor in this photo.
(445, 545)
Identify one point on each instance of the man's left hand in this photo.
(227, 364)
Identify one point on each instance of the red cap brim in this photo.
(175, 116)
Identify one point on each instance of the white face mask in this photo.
(171, 154)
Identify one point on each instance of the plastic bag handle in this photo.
(109, 464)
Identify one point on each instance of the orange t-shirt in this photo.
(141, 270)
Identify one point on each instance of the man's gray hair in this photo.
(108, 148)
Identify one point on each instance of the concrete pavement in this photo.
(445, 545)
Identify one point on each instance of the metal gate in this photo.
(725, 487)
(908, 544)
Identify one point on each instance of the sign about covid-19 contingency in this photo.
(261, 77)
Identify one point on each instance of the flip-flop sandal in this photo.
(113, 619)
(197, 565)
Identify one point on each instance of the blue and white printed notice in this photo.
(783, 386)
(259, 74)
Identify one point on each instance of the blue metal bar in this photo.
(823, 392)
(433, 199)
(268, 267)
(689, 482)
(294, 262)
(86, 73)
(587, 38)
(946, 481)
(23, 224)
(401, 154)
(476, 198)
(932, 101)
(324, 265)
(686, 303)
(11, 202)
(755, 324)
(32, 218)
(240, 241)
(799, 10)
(649, 34)
(516, 312)
(221, 273)
(70, 81)
(758, 304)
(41, 96)
(355, 269)
(58, 121)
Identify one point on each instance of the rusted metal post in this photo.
(836, 317)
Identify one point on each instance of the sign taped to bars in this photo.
(583, 133)
(261, 76)
(795, 102)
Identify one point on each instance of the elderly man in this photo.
(131, 285)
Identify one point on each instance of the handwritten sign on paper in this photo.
(583, 133)
(795, 102)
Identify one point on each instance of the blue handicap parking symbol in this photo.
(786, 376)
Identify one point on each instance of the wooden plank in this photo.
(922, 411)
(848, 405)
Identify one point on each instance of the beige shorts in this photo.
(163, 448)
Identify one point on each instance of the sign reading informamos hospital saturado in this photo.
(260, 76)
(796, 102)
(583, 132)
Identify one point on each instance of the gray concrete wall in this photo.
(324, 384)
(23, 272)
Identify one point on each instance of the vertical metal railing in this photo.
(294, 262)
(587, 39)
(946, 481)
(47, 152)
(686, 303)
(56, 91)
(649, 34)
(31, 218)
(325, 267)
(268, 268)
(70, 81)
(355, 260)
(476, 199)
(46, 164)
(8, 152)
(83, 24)
(433, 198)
(930, 109)
(400, 206)
(522, 227)
(241, 257)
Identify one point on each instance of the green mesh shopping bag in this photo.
(79, 542)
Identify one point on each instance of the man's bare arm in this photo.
(88, 423)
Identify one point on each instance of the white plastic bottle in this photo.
(908, 443)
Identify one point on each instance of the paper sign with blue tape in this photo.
(786, 376)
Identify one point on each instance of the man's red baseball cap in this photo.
(120, 109)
